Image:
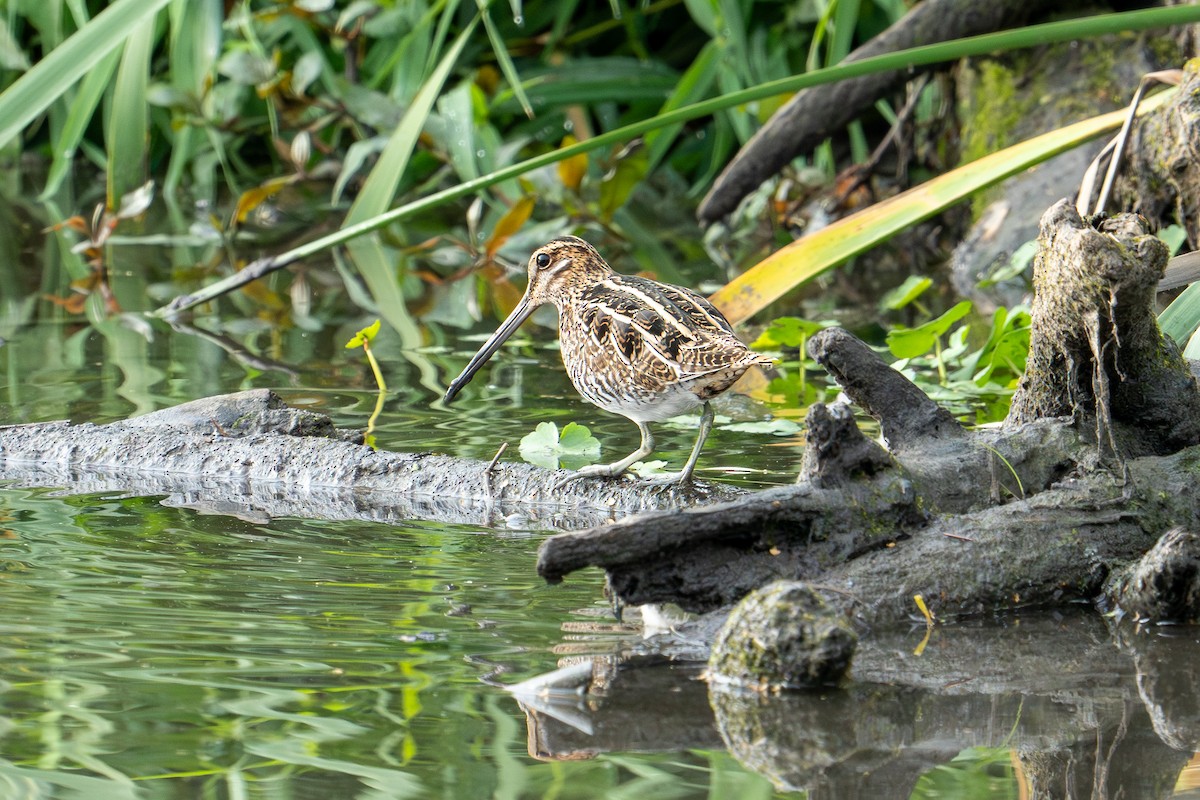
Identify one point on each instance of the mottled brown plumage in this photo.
(643, 349)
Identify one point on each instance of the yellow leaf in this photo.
(510, 223)
(253, 198)
(920, 601)
(505, 294)
(265, 297)
(571, 170)
(817, 252)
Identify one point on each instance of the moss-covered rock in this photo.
(782, 636)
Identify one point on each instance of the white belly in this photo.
(671, 403)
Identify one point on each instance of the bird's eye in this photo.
(543, 260)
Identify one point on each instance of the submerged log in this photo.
(1037, 512)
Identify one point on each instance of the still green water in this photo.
(154, 651)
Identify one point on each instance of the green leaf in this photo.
(913, 342)
(789, 332)
(369, 106)
(305, 71)
(1192, 350)
(505, 60)
(364, 336)
(777, 426)
(79, 115)
(576, 438)
(619, 183)
(50, 78)
(246, 67)
(457, 109)
(1181, 318)
(356, 156)
(1016, 264)
(11, 54)
(359, 9)
(691, 87)
(127, 130)
(1002, 357)
(1174, 236)
(648, 469)
(195, 43)
(135, 203)
(704, 14)
(544, 446)
(586, 81)
(912, 288)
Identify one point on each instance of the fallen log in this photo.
(250, 455)
(809, 117)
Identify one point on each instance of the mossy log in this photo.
(1160, 178)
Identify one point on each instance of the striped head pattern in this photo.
(563, 268)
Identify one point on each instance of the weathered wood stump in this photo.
(1091, 468)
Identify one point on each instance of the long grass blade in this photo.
(811, 255)
(127, 131)
(79, 114)
(693, 85)
(195, 44)
(504, 59)
(34, 92)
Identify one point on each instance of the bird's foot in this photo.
(592, 471)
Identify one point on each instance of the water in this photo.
(167, 653)
(152, 651)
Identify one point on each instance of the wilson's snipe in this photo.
(633, 346)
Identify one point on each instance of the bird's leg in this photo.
(617, 467)
(706, 423)
(685, 475)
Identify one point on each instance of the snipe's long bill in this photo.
(636, 347)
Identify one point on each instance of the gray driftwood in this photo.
(250, 455)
